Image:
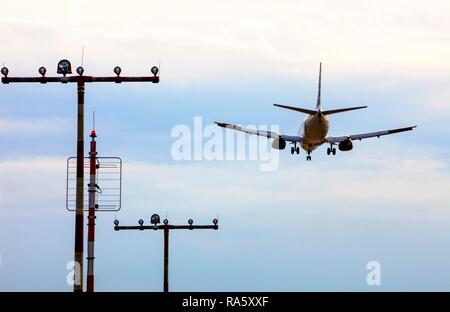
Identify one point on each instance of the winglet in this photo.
(221, 124)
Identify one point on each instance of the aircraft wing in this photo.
(267, 134)
(367, 135)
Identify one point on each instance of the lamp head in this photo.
(5, 71)
(64, 67)
(42, 70)
(117, 70)
(80, 70)
(155, 219)
(155, 70)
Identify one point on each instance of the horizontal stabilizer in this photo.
(341, 110)
(298, 109)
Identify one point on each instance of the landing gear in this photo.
(308, 158)
(331, 150)
(295, 149)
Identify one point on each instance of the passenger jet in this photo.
(313, 132)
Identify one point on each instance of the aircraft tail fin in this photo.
(318, 105)
(318, 109)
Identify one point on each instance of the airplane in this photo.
(313, 132)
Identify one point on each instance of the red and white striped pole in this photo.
(91, 217)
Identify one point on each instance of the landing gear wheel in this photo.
(297, 150)
(331, 150)
(292, 150)
(308, 158)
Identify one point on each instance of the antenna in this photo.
(93, 120)
(82, 55)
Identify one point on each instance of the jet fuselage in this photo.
(314, 131)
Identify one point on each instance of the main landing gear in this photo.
(331, 150)
(295, 149)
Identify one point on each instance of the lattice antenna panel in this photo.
(108, 181)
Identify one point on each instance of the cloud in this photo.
(34, 126)
(391, 193)
(232, 186)
(32, 187)
(417, 183)
(338, 205)
(209, 42)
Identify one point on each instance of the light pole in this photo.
(166, 227)
(64, 67)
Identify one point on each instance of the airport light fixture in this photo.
(5, 71)
(155, 70)
(64, 68)
(117, 70)
(42, 70)
(80, 70)
(166, 227)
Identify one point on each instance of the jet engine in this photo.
(346, 145)
(279, 144)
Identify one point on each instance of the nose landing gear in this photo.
(308, 158)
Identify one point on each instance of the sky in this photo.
(304, 226)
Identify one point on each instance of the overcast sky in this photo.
(305, 226)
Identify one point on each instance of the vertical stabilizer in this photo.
(318, 105)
